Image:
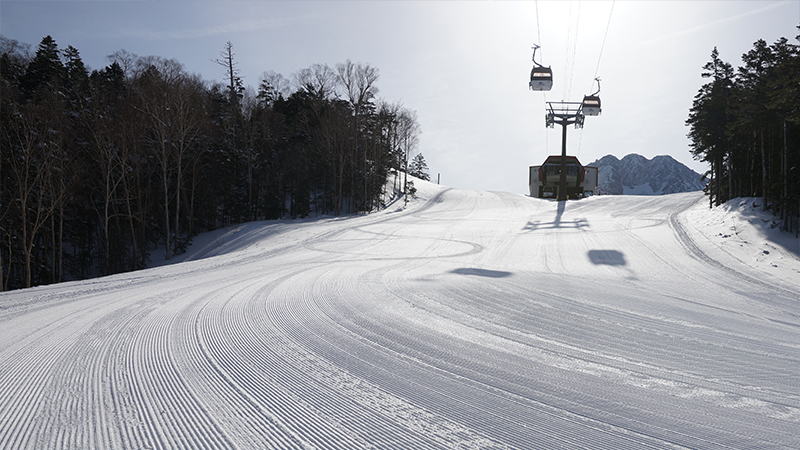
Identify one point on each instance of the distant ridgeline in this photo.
(637, 175)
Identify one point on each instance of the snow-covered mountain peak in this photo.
(636, 175)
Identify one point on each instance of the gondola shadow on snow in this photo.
(614, 258)
(607, 257)
(481, 272)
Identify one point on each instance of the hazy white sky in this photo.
(463, 66)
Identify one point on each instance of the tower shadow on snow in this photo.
(534, 225)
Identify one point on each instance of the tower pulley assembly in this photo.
(541, 77)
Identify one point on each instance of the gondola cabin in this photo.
(544, 180)
(591, 105)
(541, 78)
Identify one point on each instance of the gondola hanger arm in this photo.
(598, 87)
(533, 58)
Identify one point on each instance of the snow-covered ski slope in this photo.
(467, 320)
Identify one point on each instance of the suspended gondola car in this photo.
(541, 77)
(591, 103)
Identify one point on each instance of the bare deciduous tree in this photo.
(235, 86)
(319, 80)
(33, 171)
(172, 105)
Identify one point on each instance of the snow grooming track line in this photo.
(250, 364)
(344, 399)
(90, 396)
(466, 379)
(654, 253)
(66, 401)
(490, 307)
(249, 421)
(381, 398)
(20, 395)
(318, 242)
(436, 326)
(175, 414)
(586, 313)
(695, 251)
(546, 400)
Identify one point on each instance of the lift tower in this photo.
(564, 113)
(569, 113)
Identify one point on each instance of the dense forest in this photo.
(746, 124)
(100, 169)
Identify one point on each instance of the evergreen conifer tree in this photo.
(419, 168)
(45, 69)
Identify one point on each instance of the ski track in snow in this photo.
(467, 320)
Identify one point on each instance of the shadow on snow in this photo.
(481, 272)
(534, 225)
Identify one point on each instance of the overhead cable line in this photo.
(544, 93)
(603, 45)
(566, 55)
(538, 28)
(571, 51)
(597, 68)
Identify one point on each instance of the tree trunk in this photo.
(53, 249)
(711, 188)
(61, 241)
(730, 175)
(2, 285)
(763, 172)
(134, 249)
(164, 176)
(178, 200)
(27, 255)
(785, 176)
(106, 238)
(719, 181)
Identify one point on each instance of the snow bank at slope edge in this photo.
(282, 232)
(740, 228)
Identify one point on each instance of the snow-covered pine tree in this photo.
(419, 168)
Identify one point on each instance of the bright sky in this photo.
(463, 66)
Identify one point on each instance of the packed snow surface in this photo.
(464, 320)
